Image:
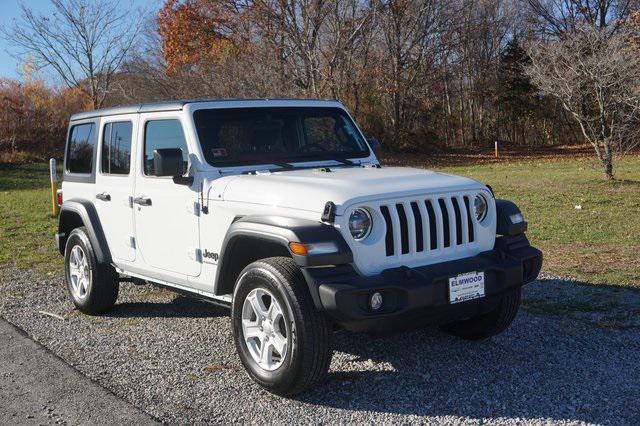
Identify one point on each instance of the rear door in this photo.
(166, 218)
(114, 185)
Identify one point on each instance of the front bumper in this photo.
(420, 296)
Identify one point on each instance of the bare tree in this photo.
(83, 41)
(558, 17)
(411, 32)
(346, 47)
(596, 77)
(295, 27)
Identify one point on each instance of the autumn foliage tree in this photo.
(196, 31)
(34, 118)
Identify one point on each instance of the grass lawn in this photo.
(599, 243)
(587, 228)
(26, 223)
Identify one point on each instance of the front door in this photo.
(166, 220)
(114, 186)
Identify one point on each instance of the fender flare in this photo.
(86, 212)
(281, 231)
(505, 210)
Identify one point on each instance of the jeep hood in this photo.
(310, 189)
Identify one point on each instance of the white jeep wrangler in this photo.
(280, 210)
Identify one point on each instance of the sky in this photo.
(10, 10)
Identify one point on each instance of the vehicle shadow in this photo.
(178, 307)
(551, 364)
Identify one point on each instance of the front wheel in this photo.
(488, 324)
(283, 342)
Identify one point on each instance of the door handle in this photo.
(143, 201)
(103, 196)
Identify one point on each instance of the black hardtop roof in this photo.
(175, 105)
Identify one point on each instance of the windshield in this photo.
(271, 135)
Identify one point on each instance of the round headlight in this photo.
(360, 224)
(480, 207)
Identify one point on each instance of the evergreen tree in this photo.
(515, 91)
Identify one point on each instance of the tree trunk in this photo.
(461, 119)
(607, 163)
(608, 169)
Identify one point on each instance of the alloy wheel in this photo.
(265, 329)
(79, 273)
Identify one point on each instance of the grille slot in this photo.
(433, 230)
(388, 239)
(472, 236)
(445, 222)
(426, 225)
(417, 217)
(456, 211)
(404, 228)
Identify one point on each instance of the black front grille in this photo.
(419, 226)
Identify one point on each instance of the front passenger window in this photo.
(160, 134)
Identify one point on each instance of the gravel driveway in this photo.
(572, 356)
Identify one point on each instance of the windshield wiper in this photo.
(288, 166)
(344, 161)
(284, 165)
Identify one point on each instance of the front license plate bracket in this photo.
(467, 286)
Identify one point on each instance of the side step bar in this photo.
(224, 300)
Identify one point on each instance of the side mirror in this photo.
(169, 162)
(374, 144)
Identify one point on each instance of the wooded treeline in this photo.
(417, 74)
(420, 75)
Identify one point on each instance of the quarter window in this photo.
(80, 150)
(159, 134)
(116, 148)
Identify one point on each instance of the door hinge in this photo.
(194, 208)
(195, 254)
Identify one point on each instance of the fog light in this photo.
(376, 301)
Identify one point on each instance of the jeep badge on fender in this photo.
(280, 210)
(207, 254)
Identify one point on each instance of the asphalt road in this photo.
(37, 387)
(571, 357)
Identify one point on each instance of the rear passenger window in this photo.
(116, 148)
(160, 134)
(80, 150)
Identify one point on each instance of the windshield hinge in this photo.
(329, 213)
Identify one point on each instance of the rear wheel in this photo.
(93, 286)
(283, 342)
(488, 324)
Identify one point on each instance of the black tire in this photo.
(488, 324)
(310, 340)
(102, 290)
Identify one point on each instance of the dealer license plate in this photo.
(466, 286)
